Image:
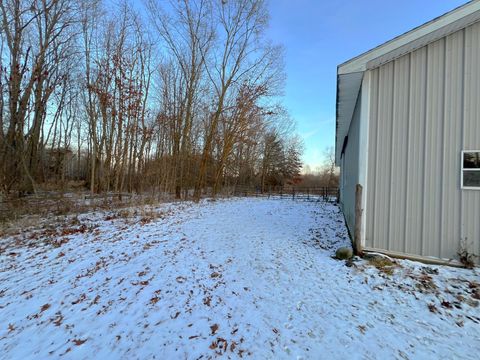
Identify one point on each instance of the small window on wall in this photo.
(471, 170)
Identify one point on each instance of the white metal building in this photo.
(408, 131)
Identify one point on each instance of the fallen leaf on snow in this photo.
(214, 329)
(176, 315)
(432, 308)
(362, 328)
(181, 279)
(79, 342)
(154, 300)
(446, 304)
(58, 320)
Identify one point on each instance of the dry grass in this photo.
(384, 264)
(465, 257)
(18, 214)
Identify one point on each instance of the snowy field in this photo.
(244, 278)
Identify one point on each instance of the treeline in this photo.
(326, 175)
(175, 96)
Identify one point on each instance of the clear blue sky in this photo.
(318, 35)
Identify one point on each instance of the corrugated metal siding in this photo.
(379, 187)
(349, 174)
(471, 133)
(452, 138)
(372, 161)
(415, 158)
(424, 109)
(398, 165)
(432, 176)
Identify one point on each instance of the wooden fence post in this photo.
(357, 241)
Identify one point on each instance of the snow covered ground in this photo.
(231, 278)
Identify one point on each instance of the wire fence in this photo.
(329, 194)
(59, 203)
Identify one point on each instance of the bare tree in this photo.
(90, 92)
(329, 166)
(187, 33)
(240, 55)
(33, 32)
